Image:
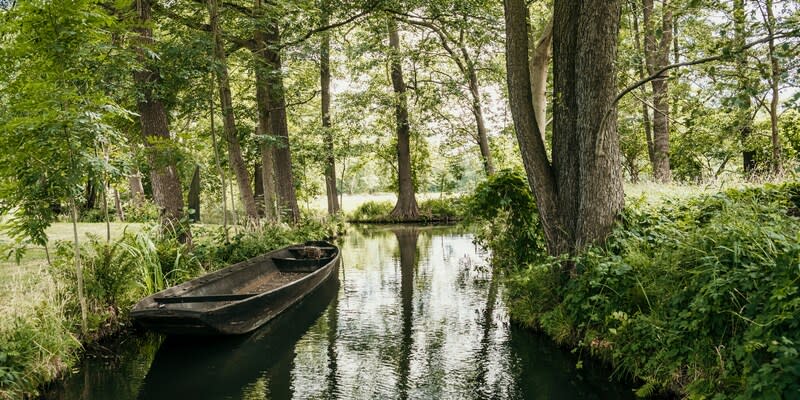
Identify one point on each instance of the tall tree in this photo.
(453, 37)
(579, 194)
(164, 176)
(228, 118)
(657, 42)
(325, 84)
(406, 207)
(774, 83)
(278, 125)
(744, 118)
(262, 103)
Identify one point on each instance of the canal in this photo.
(413, 314)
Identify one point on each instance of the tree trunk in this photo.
(640, 64)
(325, 84)
(90, 195)
(477, 112)
(220, 171)
(263, 128)
(258, 188)
(406, 207)
(118, 206)
(542, 52)
(229, 120)
(164, 177)
(194, 196)
(580, 195)
(743, 103)
(656, 57)
(278, 127)
(775, 77)
(136, 188)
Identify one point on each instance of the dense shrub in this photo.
(372, 211)
(699, 296)
(505, 217)
(448, 208)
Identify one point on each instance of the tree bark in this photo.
(136, 188)
(743, 102)
(118, 206)
(648, 130)
(775, 77)
(542, 52)
(194, 196)
(164, 177)
(656, 57)
(278, 127)
(580, 194)
(477, 112)
(263, 128)
(325, 84)
(406, 207)
(228, 119)
(534, 156)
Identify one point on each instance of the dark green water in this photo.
(414, 314)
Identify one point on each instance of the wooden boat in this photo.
(204, 367)
(241, 297)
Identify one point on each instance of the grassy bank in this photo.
(697, 295)
(40, 335)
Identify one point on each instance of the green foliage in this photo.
(372, 211)
(699, 296)
(54, 57)
(449, 209)
(504, 213)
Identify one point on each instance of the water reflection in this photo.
(415, 314)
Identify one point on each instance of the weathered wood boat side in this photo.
(241, 297)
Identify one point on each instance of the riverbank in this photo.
(696, 295)
(446, 210)
(40, 330)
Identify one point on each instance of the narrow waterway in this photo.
(414, 314)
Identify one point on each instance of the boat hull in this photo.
(232, 317)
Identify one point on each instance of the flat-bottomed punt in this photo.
(241, 297)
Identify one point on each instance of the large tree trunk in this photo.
(406, 207)
(278, 127)
(744, 118)
(228, 119)
(325, 83)
(775, 77)
(580, 195)
(263, 128)
(656, 57)
(164, 177)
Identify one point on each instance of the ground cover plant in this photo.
(696, 296)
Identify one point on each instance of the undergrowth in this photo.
(43, 340)
(697, 296)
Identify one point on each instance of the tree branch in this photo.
(658, 74)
